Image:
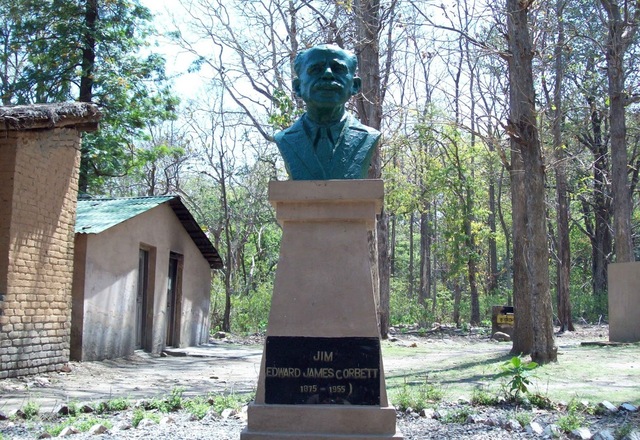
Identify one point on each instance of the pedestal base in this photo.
(320, 422)
(323, 343)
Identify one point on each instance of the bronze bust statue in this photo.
(326, 142)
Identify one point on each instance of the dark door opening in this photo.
(141, 298)
(174, 299)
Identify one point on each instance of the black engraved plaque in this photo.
(304, 370)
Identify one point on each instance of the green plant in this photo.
(574, 418)
(459, 415)
(118, 404)
(197, 407)
(539, 401)
(483, 397)
(30, 410)
(523, 417)
(417, 397)
(139, 414)
(74, 408)
(518, 373)
(621, 431)
(174, 401)
(220, 402)
(82, 423)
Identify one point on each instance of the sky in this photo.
(186, 85)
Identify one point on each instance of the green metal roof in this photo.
(96, 215)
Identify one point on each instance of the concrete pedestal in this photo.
(323, 289)
(624, 302)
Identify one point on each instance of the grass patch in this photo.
(459, 415)
(139, 414)
(582, 372)
(417, 397)
(482, 397)
(574, 418)
(198, 407)
(220, 402)
(83, 423)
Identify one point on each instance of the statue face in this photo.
(326, 78)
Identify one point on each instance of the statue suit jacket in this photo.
(351, 156)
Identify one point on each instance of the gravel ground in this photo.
(483, 423)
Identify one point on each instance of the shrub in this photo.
(30, 410)
(417, 397)
(518, 373)
(484, 398)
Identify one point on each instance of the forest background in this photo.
(510, 152)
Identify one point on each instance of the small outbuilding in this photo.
(142, 277)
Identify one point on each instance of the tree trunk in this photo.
(562, 209)
(86, 79)
(425, 258)
(621, 31)
(369, 106)
(412, 277)
(534, 259)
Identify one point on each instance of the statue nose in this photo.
(328, 73)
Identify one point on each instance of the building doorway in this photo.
(174, 299)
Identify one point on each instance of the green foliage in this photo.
(522, 417)
(83, 423)
(173, 402)
(404, 309)
(220, 402)
(140, 414)
(574, 418)
(417, 397)
(31, 410)
(458, 415)
(623, 430)
(60, 49)
(250, 312)
(483, 398)
(539, 401)
(198, 407)
(117, 404)
(518, 373)
(284, 111)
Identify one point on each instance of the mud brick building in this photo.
(39, 165)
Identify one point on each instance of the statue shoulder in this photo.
(296, 127)
(355, 124)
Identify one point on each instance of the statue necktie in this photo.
(324, 146)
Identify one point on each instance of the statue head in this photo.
(326, 79)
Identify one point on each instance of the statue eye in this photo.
(339, 68)
(314, 69)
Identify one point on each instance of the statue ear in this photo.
(357, 85)
(296, 86)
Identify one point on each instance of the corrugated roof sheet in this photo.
(96, 215)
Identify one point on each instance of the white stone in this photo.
(227, 413)
(513, 425)
(167, 420)
(428, 413)
(98, 429)
(581, 434)
(144, 423)
(629, 407)
(609, 406)
(501, 337)
(69, 430)
(534, 428)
